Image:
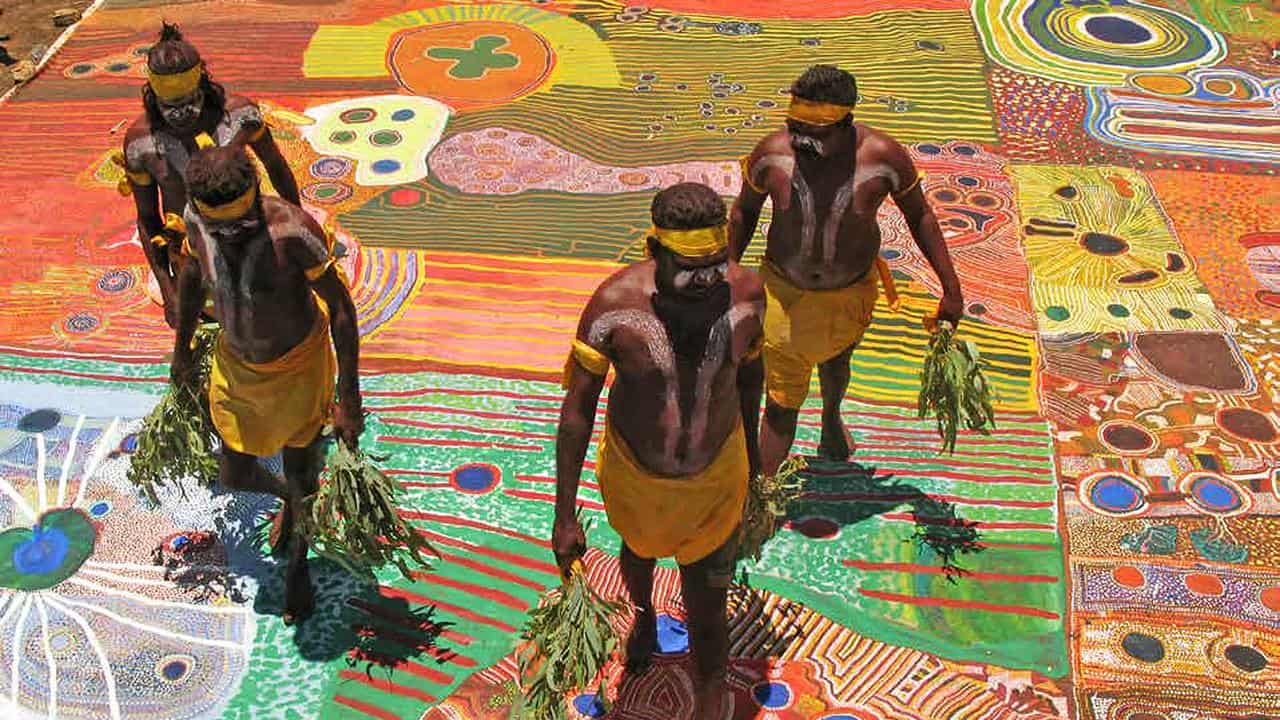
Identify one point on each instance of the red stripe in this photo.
(1221, 119)
(550, 480)
(935, 570)
(908, 447)
(963, 477)
(464, 393)
(456, 443)
(464, 428)
(408, 622)
(900, 460)
(980, 524)
(954, 499)
(386, 685)
(1039, 547)
(893, 437)
(502, 555)
(901, 418)
(467, 523)
(493, 572)
(960, 604)
(423, 473)
(461, 612)
(1138, 128)
(446, 410)
(418, 484)
(549, 498)
(91, 376)
(366, 708)
(491, 594)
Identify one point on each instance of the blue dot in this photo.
(588, 704)
(1216, 496)
(673, 635)
(1116, 30)
(1115, 494)
(384, 167)
(772, 695)
(1180, 313)
(890, 254)
(929, 149)
(475, 478)
(965, 150)
(43, 553)
(175, 670)
(402, 115)
(967, 181)
(100, 508)
(130, 443)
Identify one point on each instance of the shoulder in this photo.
(747, 285)
(139, 143)
(877, 145)
(625, 289)
(775, 143)
(291, 226)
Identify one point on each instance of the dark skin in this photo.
(267, 307)
(641, 393)
(827, 158)
(168, 192)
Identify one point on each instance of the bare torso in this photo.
(163, 154)
(259, 286)
(824, 233)
(674, 412)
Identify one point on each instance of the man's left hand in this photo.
(348, 423)
(951, 308)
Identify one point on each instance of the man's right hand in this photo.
(568, 542)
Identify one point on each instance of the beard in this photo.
(688, 319)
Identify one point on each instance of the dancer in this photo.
(827, 177)
(682, 331)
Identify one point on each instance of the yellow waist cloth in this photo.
(688, 517)
(803, 328)
(259, 408)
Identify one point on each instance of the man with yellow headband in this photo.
(185, 110)
(827, 176)
(682, 331)
(280, 300)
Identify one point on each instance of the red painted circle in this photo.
(1271, 598)
(818, 528)
(404, 197)
(1128, 576)
(1204, 584)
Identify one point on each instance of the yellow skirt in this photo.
(259, 408)
(803, 328)
(688, 517)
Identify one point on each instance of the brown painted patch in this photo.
(1248, 424)
(1127, 437)
(1198, 359)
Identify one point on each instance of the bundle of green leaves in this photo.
(177, 437)
(767, 500)
(953, 387)
(354, 518)
(568, 640)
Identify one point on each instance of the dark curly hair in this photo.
(827, 84)
(172, 54)
(218, 175)
(687, 206)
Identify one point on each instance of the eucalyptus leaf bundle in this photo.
(354, 520)
(568, 640)
(953, 387)
(767, 500)
(177, 439)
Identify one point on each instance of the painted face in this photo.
(816, 142)
(692, 278)
(235, 231)
(182, 114)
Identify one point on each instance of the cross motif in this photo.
(474, 62)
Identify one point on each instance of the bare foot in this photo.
(711, 701)
(642, 643)
(299, 599)
(837, 443)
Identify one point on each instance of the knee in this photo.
(778, 416)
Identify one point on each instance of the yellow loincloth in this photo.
(803, 328)
(688, 517)
(258, 408)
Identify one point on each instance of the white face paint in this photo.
(182, 114)
(704, 276)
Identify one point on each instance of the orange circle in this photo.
(458, 84)
(1203, 584)
(1219, 86)
(1163, 84)
(1128, 576)
(1271, 598)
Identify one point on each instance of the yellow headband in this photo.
(693, 243)
(817, 113)
(176, 85)
(233, 210)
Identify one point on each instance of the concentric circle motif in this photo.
(1114, 493)
(773, 695)
(115, 281)
(475, 478)
(174, 669)
(1248, 424)
(384, 138)
(471, 64)
(1214, 494)
(1126, 438)
(1093, 43)
(100, 509)
(356, 116)
(327, 193)
(81, 323)
(330, 167)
